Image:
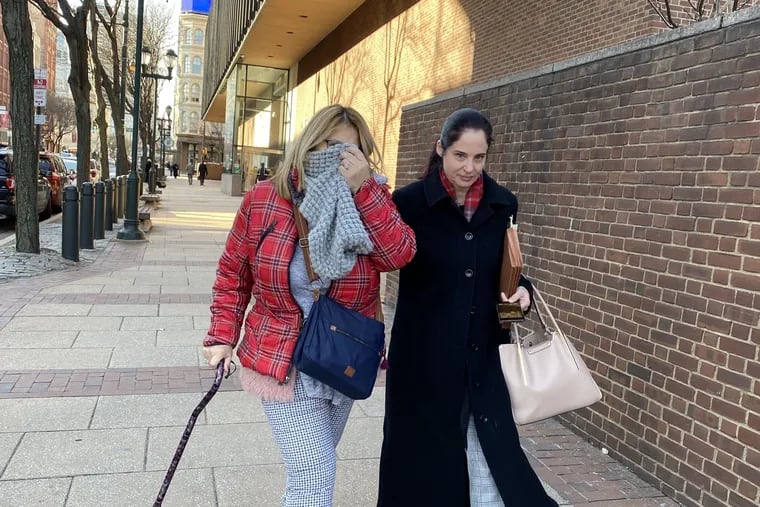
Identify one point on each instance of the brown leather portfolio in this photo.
(511, 268)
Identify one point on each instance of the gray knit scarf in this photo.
(336, 232)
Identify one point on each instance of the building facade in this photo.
(378, 56)
(5, 89)
(195, 139)
(635, 159)
(44, 42)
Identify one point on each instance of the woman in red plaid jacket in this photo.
(262, 261)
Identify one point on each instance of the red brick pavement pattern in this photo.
(582, 474)
(111, 381)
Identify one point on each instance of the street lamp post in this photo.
(150, 71)
(130, 229)
(165, 130)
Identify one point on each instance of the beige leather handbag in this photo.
(544, 373)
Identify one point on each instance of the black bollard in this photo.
(123, 196)
(110, 215)
(86, 226)
(119, 202)
(100, 210)
(70, 234)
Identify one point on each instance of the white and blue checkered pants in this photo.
(307, 431)
(483, 490)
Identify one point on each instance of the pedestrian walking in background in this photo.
(307, 417)
(449, 435)
(146, 173)
(190, 171)
(175, 170)
(202, 171)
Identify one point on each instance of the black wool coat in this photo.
(443, 357)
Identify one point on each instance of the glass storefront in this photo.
(257, 132)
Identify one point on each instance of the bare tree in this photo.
(696, 10)
(394, 49)
(100, 117)
(105, 45)
(18, 28)
(156, 38)
(72, 22)
(61, 120)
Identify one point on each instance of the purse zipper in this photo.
(335, 329)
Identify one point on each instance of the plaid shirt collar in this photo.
(471, 199)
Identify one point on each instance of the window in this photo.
(195, 93)
(186, 65)
(198, 37)
(188, 37)
(183, 121)
(197, 65)
(193, 121)
(185, 95)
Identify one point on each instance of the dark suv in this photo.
(8, 189)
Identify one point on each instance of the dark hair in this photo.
(457, 122)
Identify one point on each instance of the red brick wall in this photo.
(513, 36)
(639, 185)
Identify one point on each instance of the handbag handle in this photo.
(541, 303)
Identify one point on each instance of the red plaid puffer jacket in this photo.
(255, 263)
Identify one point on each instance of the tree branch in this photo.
(667, 16)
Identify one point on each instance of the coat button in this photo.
(475, 347)
(468, 236)
(468, 273)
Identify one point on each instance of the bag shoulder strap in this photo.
(303, 242)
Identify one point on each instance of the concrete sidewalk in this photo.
(100, 368)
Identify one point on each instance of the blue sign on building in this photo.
(200, 6)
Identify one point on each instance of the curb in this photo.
(12, 238)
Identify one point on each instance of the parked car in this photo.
(94, 170)
(71, 169)
(70, 162)
(52, 167)
(8, 190)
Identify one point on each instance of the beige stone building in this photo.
(194, 138)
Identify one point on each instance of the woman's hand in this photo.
(522, 296)
(354, 168)
(216, 353)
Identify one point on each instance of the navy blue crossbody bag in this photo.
(337, 346)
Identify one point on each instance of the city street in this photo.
(7, 227)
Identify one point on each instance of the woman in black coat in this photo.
(449, 436)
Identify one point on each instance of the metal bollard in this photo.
(110, 215)
(100, 210)
(70, 234)
(124, 196)
(152, 182)
(119, 202)
(86, 226)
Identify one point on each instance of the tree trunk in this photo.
(80, 89)
(100, 120)
(18, 29)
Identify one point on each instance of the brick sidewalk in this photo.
(580, 473)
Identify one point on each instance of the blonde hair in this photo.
(318, 130)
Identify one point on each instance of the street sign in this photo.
(168, 143)
(40, 74)
(40, 84)
(40, 98)
(40, 119)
